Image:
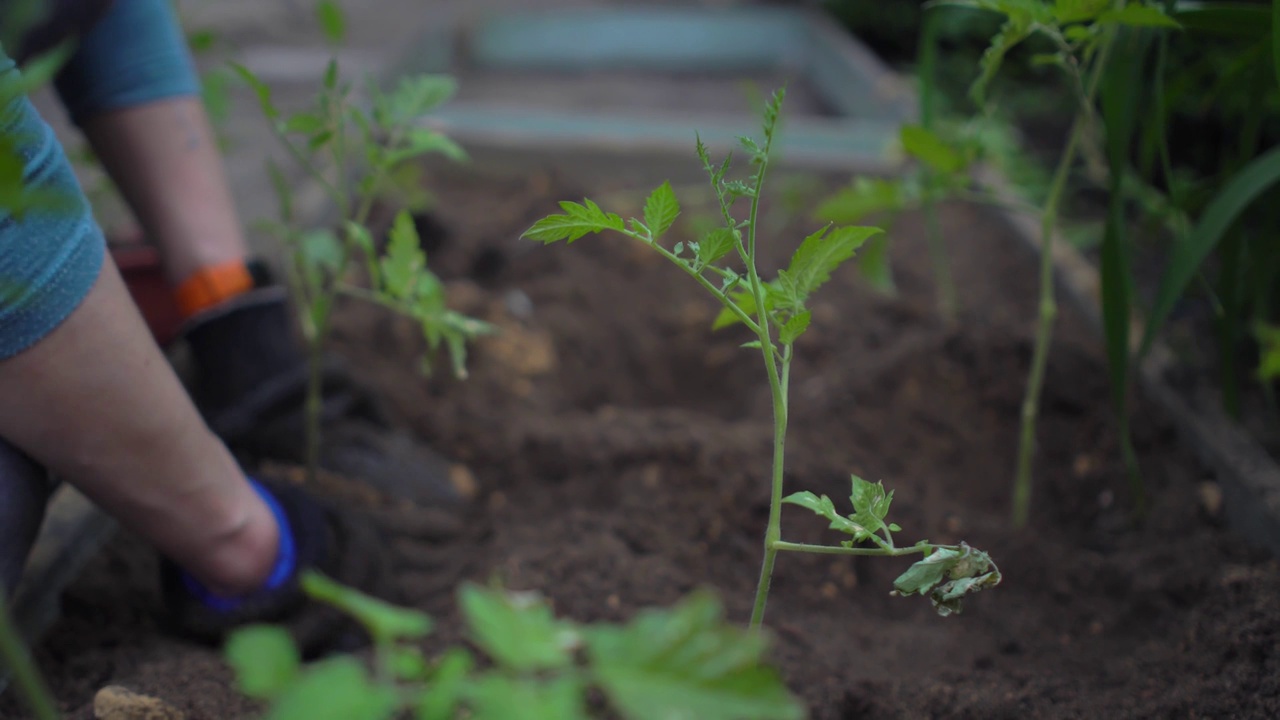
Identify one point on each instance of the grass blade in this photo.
(1120, 114)
(1190, 251)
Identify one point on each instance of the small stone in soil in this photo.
(118, 703)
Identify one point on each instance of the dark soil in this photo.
(622, 449)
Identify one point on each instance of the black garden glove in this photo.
(250, 384)
(314, 536)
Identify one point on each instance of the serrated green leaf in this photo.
(661, 209)
(714, 245)
(739, 188)
(517, 630)
(497, 697)
(440, 701)
(823, 506)
(578, 220)
(1138, 16)
(870, 503)
(794, 327)
(687, 662)
(384, 622)
(404, 260)
(423, 141)
(927, 147)
(333, 21)
(264, 658)
(413, 97)
(1011, 34)
(816, 258)
(865, 197)
(338, 688)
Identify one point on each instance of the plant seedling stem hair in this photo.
(777, 314)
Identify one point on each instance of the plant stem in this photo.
(778, 383)
(1048, 312)
(15, 658)
(773, 531)
(1048, 307)
(919, 549)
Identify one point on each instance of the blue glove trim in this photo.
(283, 571)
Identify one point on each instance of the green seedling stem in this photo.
(1047, 305)
(15, 659)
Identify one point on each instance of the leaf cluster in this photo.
(776, 310)
(336, 139)
(947, 574)
(680, 662)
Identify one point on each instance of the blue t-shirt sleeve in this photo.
(134, 55)
(50, 256)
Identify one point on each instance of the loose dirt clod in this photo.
(118, 703)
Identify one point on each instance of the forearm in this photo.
(132, 88)
(97, 403)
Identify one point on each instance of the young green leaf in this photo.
(261, 89)
(822, 505)
(517, 630)
(440, 701)
(385, 622)
(332, 21)
(1138, 16)
(687, 662)
(303, 124)
(1073, 11)
(865, 197)
(404, 261)
(338, 688)
(331, 75)
(577, 221)
(927, 147)
(816, 258)
(1269, 352)
(871, 505)
(794, 327)
(661, 210)
(497, 697)
(964, 569)
(423, 141)
(264, 658)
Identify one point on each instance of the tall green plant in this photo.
(724, 263)
(353, 153)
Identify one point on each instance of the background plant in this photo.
(1134, 72)
(355, 153)
(776, 312)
